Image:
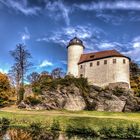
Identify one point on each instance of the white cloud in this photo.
(136, 42)
(45, 63)
(25, 35)
(87, 34)
(116, 5)
(106, 45)
(58, 9)
(21, 6)
(64, 62)
(134, 53)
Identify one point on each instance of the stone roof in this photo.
(100, 55)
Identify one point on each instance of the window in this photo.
(114, 61)
(81, 66)
(98, 63)
(105, 61)
(81, 75)
(90, 64)
(124, 61)
(92, 56)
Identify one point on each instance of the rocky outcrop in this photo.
(114, 100)
(73, 98)
(69, 98)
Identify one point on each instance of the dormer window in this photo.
(92, 56)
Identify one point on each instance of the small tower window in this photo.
(114, 61)
(81, 66)
(91, 64)
(105, 61)
(124, 61)
(98, 63)
(81, 75)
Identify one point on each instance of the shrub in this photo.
(107, 131)
(35, 129)
(40, 133)
(55, 125)
(133, 131)
(19, 134)
(118, 91)
(4, 124)
(130, 131)
(32, 100)
(80, 131)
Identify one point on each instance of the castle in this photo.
(100, 68)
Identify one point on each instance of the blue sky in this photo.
(46, 26)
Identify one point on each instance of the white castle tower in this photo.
(75, 50)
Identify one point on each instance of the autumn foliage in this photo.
(6, 92)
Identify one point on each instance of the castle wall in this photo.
(74, 54)
(103, 74)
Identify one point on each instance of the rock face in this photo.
(114, 100)
(69, 98)
(72, 98)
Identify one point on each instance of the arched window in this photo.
(81, 66)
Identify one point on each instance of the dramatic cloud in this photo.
(58, 9)
(110, 5)
(63, 36)
(45, 63)
(21, 6)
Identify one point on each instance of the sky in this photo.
(46, 27)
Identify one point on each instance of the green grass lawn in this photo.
(92, 119)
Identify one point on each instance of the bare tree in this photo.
(57, 73)
(33, 77)
(19, 69)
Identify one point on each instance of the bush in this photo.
(55, 125)
(130, 131)
(16, 134)
(4, 125)
(133, 131)
(80, 131)
(35, 129)
(118, 91)
(32, 100)
(40, 133)
(107, 131)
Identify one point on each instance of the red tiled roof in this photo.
(100, 55)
